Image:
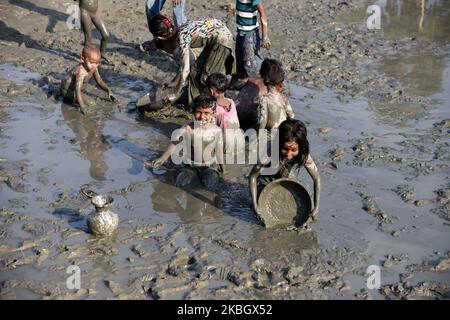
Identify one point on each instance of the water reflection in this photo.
(428, 19)
(88, 132)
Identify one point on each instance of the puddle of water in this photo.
(422, 19)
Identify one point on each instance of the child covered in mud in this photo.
(202, 140)
(274, 107)
(75, 80)
(89, 15)
(293, 155)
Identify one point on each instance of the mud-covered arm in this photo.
(263, 17)
(180, 79)
(254, 174)
(100, 82)
(262, 113)
(166, 155)
(103, 85)
(176, 139)
(289, 110)
(265, 31)
(79, 94)
(314, 173)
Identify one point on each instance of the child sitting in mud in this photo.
(73, 84)
(202, 147)
(89, 15)
(226, 114)
(293, 154)
(274, 107)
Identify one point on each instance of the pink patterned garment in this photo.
(227, 119)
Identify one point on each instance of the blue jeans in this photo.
(154, 7)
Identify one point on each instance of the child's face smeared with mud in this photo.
(91, 60)
(289, 150)
(203, 115)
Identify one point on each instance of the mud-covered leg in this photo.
(86, 26)
(211, 180)
(100, 25)
(186, 177)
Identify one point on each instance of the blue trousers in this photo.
(248, 56)
(154, 7)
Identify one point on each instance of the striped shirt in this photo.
(247, 15)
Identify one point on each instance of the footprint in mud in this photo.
(73, 217)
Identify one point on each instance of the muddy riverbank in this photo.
(376, 105)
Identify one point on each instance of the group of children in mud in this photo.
(201, 85)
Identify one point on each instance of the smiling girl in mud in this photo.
(294, 154)
(204, 130)
(75, 80)
(217, 55)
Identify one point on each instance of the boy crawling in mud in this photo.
(202, 146)
(75, 80)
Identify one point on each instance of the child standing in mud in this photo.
(274, 107)
(75, 80)
(293, 155)
(202, 140)
(248, 41)
(89, 15)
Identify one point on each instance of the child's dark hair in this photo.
(204, 102)
(295, 130)
(272, 72)
(218, 81)
(161, 26)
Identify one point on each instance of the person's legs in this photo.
(210, 179)
(153, 7)
(100, 25)
(240, 38)
(186, 177)
(86, 26)
(250, 50)
(178, 13)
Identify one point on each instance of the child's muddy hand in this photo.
(112, 97)
(315, 215)
(154, 163)
(83, 111)
(265, 41)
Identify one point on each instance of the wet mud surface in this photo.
(377, 110)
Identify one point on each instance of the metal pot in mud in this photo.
(102, 221)
(283, 202)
